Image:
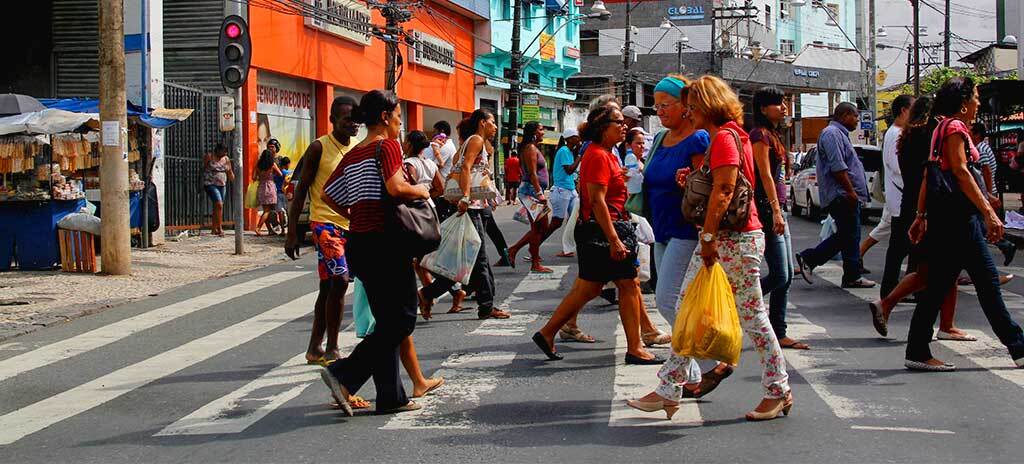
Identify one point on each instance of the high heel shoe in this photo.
(652, 406)
(783, 406)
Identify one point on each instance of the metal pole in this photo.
(679, 57)
(115, 231)
(714, 38)
(872, 70)
(910, 54)
(239, 184)
(945, 40)
(917, 46)
(515, 86)
(628, 91)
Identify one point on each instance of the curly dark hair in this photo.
(597, 121)
(266, 160)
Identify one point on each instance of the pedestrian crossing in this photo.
(473, 375)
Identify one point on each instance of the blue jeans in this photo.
(961, 243)
(215, 192)
(846, 240)
(778, 256)
(672, 259)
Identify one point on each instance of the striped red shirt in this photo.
(356, 189)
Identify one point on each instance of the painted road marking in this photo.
(240, 409)
(516, 325)
(988, 353)
(125, 328)
(468, 377)
(38, 416)
(902, 429)
(632, 381)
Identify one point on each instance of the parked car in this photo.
(803, 193)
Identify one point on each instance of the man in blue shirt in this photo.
(564, 170)
(842, 187)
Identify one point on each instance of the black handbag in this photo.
(944, 193)
(589, 233)
(413, 223)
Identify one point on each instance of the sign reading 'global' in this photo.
(686, 12)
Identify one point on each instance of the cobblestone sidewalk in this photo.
(33, 299)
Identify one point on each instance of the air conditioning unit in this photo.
(783, 14)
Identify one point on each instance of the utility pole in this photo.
(910, 54)
(628, 57)
(945, 40)
(115, 234)
(872, 69)
(515, 84)
(391, 70)
(917, 46)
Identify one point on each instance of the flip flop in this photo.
(321, 361)
(796, 346)
(355, 402)
(410, 406)
(456, 310)
(431, 389)
(949, 336)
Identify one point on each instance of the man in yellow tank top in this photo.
(328, 227)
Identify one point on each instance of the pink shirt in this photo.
(954, 127)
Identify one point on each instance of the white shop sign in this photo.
(432, 52)
(348, 19)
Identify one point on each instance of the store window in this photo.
(788, 46)
(589, 45)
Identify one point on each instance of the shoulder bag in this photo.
(943, 190)
(413, 223)
(480, 185)
(698, 190)
(637, 202)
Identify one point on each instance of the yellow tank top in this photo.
(332, 153)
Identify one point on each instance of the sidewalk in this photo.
(30, 300)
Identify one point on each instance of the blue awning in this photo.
(92, 106)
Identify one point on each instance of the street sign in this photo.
(880, 78)
(867, 122)
(226, 112)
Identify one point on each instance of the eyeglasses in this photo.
(621, 122)
(664, 106)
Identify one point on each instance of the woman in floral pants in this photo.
(715, 107)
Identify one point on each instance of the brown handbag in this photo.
(698, 190)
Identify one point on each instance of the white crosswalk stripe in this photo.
(520, 320)
(125, 328)
(33, 418)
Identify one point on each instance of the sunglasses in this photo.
(621, 122)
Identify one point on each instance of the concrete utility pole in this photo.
(515, 88)
(917, 46)
(115, 234)
(627, 58)
(945, 40)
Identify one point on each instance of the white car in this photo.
(803, 193)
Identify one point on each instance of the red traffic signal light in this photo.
(234, 52)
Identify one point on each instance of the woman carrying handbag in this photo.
(721, 193)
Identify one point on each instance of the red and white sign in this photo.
(571, 52)
(281, 96)
(578, 2)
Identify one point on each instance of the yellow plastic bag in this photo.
(250, 195)
(707, 325)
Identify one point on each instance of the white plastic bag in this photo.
(568, 231)
(83, 222)
(460, 243)
(644, 231)
(828, 227)
(644, 256)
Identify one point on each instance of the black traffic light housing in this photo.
(234, 51)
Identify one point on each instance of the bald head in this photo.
(846, 114)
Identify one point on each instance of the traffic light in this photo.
(234, 52)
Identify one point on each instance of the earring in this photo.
(963, 110)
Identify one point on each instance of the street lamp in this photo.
(599, 8)
(667, 25)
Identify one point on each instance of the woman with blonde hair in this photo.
(715, 107)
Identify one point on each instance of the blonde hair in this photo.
(715, 98)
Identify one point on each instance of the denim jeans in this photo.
(672, 259)
(846, 240)
(899, 249)
(778, 256)
(962, 245)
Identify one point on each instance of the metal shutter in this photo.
(191, 29)
(76, 48)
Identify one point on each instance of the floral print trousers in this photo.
(740, 255)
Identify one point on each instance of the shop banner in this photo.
(284, 109)
(547, 46)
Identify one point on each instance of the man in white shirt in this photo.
(899, 243)
(446, 149)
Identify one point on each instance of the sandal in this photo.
(355, 401)
(796, 346)
(430, 389)
(425, 306)
(457, 300)
(575, 334)
(494, 314)
(410, 406)
(710, 380)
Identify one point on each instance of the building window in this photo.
(527, 15)
(506, 9)
(835, 11)
(560, 83)
(551, 22)
(788, 46)
(589, 45)
(783, 9)
(533, 78)
(768, 17)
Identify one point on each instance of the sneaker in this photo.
(805, 269)
(859, 283)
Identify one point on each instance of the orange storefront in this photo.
(299, 65)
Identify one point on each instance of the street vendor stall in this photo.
(1002, 104)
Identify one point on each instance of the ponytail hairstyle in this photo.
(467, 127)
(597, 121)
(530, 133)
(952, 96)
(373, 104)
(768, 96)
(418, 141)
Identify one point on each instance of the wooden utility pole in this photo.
(945, 39)
(115, 235)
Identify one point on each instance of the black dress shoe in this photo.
(542, 343)
(631, 359)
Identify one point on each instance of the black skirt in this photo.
(596, 263)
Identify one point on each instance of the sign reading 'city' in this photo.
(432, 52)
(686, 12)
(347, 19)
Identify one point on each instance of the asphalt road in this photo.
(212, 373)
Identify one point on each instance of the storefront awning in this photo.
(48, 121)
(159, 118)
(544, 93)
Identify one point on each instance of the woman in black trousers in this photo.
(957, 224)
(363, 188)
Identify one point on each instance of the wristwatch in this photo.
(465, 200)
(707, 237)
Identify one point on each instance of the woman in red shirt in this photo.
(606, 245)
(715, 107)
